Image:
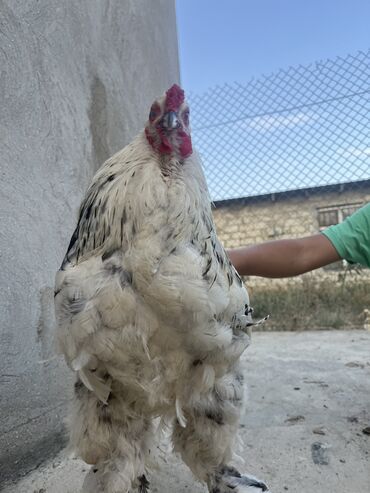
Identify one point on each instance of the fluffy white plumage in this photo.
(151, 314)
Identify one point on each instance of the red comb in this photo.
(175, 96)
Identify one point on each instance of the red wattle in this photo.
(186, 147)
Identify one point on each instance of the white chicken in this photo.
(152, 316)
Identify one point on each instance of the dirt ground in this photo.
(306, 428)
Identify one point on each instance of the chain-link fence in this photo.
(287, 155)
(300, 128)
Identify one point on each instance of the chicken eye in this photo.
(185, 117)
(154, 112)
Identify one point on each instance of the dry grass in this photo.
(313, 305)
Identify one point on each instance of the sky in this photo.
(272, 146)
(234, 40)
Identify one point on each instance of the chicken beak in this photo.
(170, 120)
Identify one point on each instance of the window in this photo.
(327, 217)
(335, 214)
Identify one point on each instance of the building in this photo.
(293, 214)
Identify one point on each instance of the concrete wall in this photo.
(76, 82)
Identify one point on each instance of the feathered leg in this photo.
(111, 437)
(206, 442)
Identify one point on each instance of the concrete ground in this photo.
(306, 428)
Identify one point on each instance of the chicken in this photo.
(152, 316)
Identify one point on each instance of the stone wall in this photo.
(76, 81)
(290, 216)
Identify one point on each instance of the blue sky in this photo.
(234, 40)
(252, 138)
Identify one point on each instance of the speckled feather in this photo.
(150, 313)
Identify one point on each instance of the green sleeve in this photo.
(351, 238)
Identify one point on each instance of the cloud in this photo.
(271, 122)
(354, 151)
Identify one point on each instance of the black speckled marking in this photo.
(88, 211)
(208, 266)
(76, 305)
(71, 246)
(80, 389)
(239, 377)
(108, 255)
(143, 484)
(240, 282)
(230, 278)
(103, 413)
(248, 310)
(216, 416)
(125, 276)
(214, 280)
(197, 362)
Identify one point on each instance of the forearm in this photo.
(284, 258)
